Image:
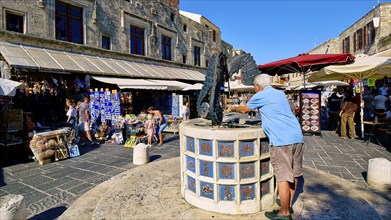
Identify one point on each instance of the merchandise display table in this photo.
(45, 145)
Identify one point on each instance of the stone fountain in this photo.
(226, 168)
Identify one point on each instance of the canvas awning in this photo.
(49, 60)
(197, 86)
(126, 83)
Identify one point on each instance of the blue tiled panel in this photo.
(206, 147)
(191, 183)
(247, 170)
(226, 149)
(206, 168)
(207, 190)
(190, 164)
(264, 146)
(265, 167)
(265, 187)
(190, 144)
(226, 170)
(247, 192)
(227, 192)
(246, 148)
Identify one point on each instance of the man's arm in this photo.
(242, 109)
(87, 116)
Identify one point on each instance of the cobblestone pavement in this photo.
(51, 188)
(344, 158)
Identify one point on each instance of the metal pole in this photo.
(362, 109)
(304, 80)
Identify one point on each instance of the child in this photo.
(150, 128)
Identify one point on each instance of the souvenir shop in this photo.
(117, 116)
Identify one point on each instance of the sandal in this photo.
(274, 215)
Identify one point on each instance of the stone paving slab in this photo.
(126, 196)
(49, 189)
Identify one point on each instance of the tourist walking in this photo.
(162, 122)
(348, 110)
(85, 119)
(285, 139)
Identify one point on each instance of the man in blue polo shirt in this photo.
(285, 137)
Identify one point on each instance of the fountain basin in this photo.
(226, 170)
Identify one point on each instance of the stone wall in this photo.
(382, 39)
(172, 3)
(112, 18)
(328, 47)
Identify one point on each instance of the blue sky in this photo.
(274, 30)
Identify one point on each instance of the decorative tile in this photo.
(264, 146)
(191, 183)
(190, 164)
(247, 170)
(265, 187)
(207, 190)
(206, 168)
(190, 144)
(226, 149)
(227, 192)
(206, 147)
(265, 167)
(246, 148)
(226, 170)
(247, 192)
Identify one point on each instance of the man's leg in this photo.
(89, 135)
(292, 190)
(284, 192)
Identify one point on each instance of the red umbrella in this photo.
(304, 63)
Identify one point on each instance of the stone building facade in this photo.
(106, 28)
(369, 35)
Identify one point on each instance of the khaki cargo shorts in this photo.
(287, 162)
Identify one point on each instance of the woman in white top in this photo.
(71, 113)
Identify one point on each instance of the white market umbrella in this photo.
(362, 68)
(330, 83)
(8, 87)
(307, 86)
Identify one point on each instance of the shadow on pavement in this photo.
(169, 138)
(154, 157)
(52, 213)
(364, 175)
(331, 200)
(299, 189)
(2, 183)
